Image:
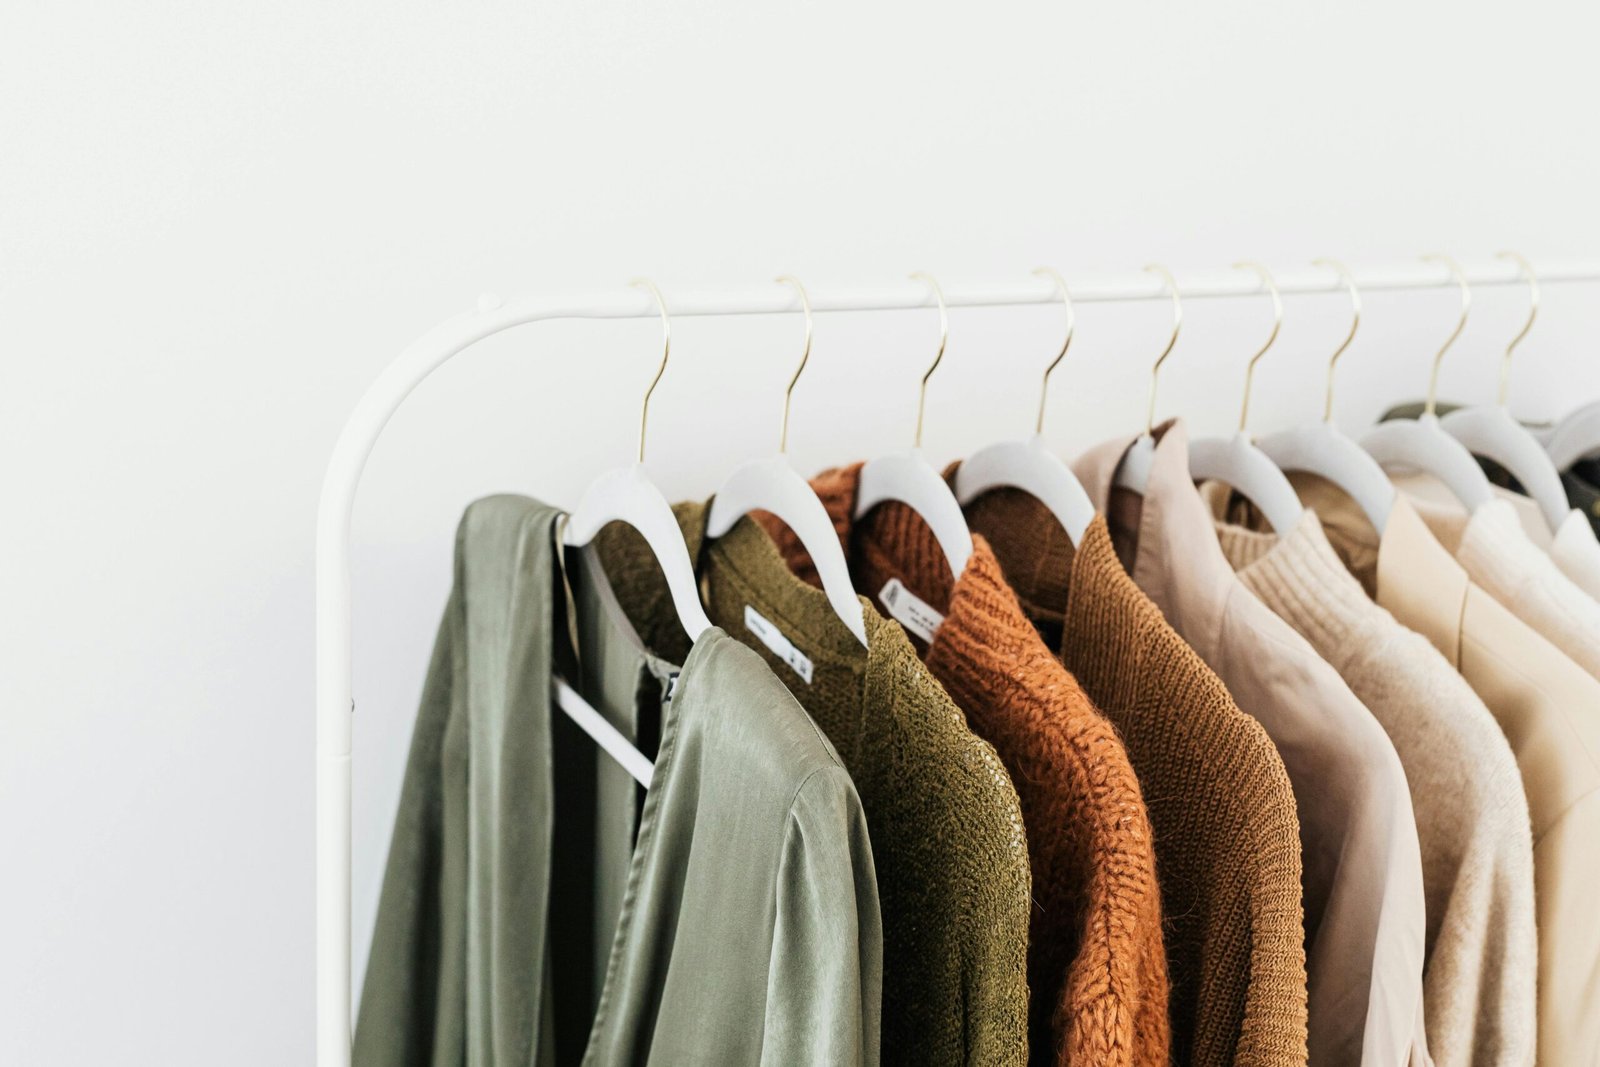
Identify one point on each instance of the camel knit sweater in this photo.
(1472, 815)
(1226, 834)
(1096, 964)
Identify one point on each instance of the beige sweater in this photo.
(1472, 814)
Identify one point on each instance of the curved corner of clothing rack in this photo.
(335, 708)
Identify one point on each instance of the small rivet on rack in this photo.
(488, 302)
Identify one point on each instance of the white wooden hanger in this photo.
(1319, 448)
(627, 494)
(774, 485)
(1488, 430)
(1133, 472)
(1028, 465)
(1574, 437)
(910, 479)
(1421, 444)
(1235, 461)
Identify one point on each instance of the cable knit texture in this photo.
(1227, 840)
(1096, 963)
(945, 824)
(1472, 814)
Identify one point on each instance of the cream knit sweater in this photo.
(1472, 815)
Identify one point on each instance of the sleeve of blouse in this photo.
(401, 1003)
(825, 978)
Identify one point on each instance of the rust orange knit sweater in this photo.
(1096, 963)
(1227, 833)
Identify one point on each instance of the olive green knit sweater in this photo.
(945, 823)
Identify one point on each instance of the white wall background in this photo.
(217, 222)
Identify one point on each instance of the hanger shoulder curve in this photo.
(1575, 437)
(1317, 448)
(1236, 462)
(627, 495)
(774, 486)
(908, 478)
(1031, 467)
(1490, 431)
(1417, 444)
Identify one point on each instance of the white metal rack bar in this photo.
(455, 335)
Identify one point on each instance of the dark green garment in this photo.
(535, 912)
(1582, 483)
(946, 826)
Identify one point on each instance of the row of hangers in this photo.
(1447, 448)
(1255, 467)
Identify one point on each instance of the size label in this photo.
(910, 610)
(777, 643)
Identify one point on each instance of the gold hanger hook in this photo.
(1355, 321)
(944, 336)
(1171, 285)
(1277, 324)
(1533, 313)
(805, 357)
(1066, 342)
(666, 350)
(1461, 324)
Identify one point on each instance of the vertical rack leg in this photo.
(333, 911)
(333, 787)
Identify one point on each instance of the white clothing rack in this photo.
(455, 335)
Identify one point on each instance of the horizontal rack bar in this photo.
(910, 294)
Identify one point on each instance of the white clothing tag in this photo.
(910, 610)
(777, 643)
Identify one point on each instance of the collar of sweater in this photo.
(980, 613)
(1163, 538)
(1299, 576)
